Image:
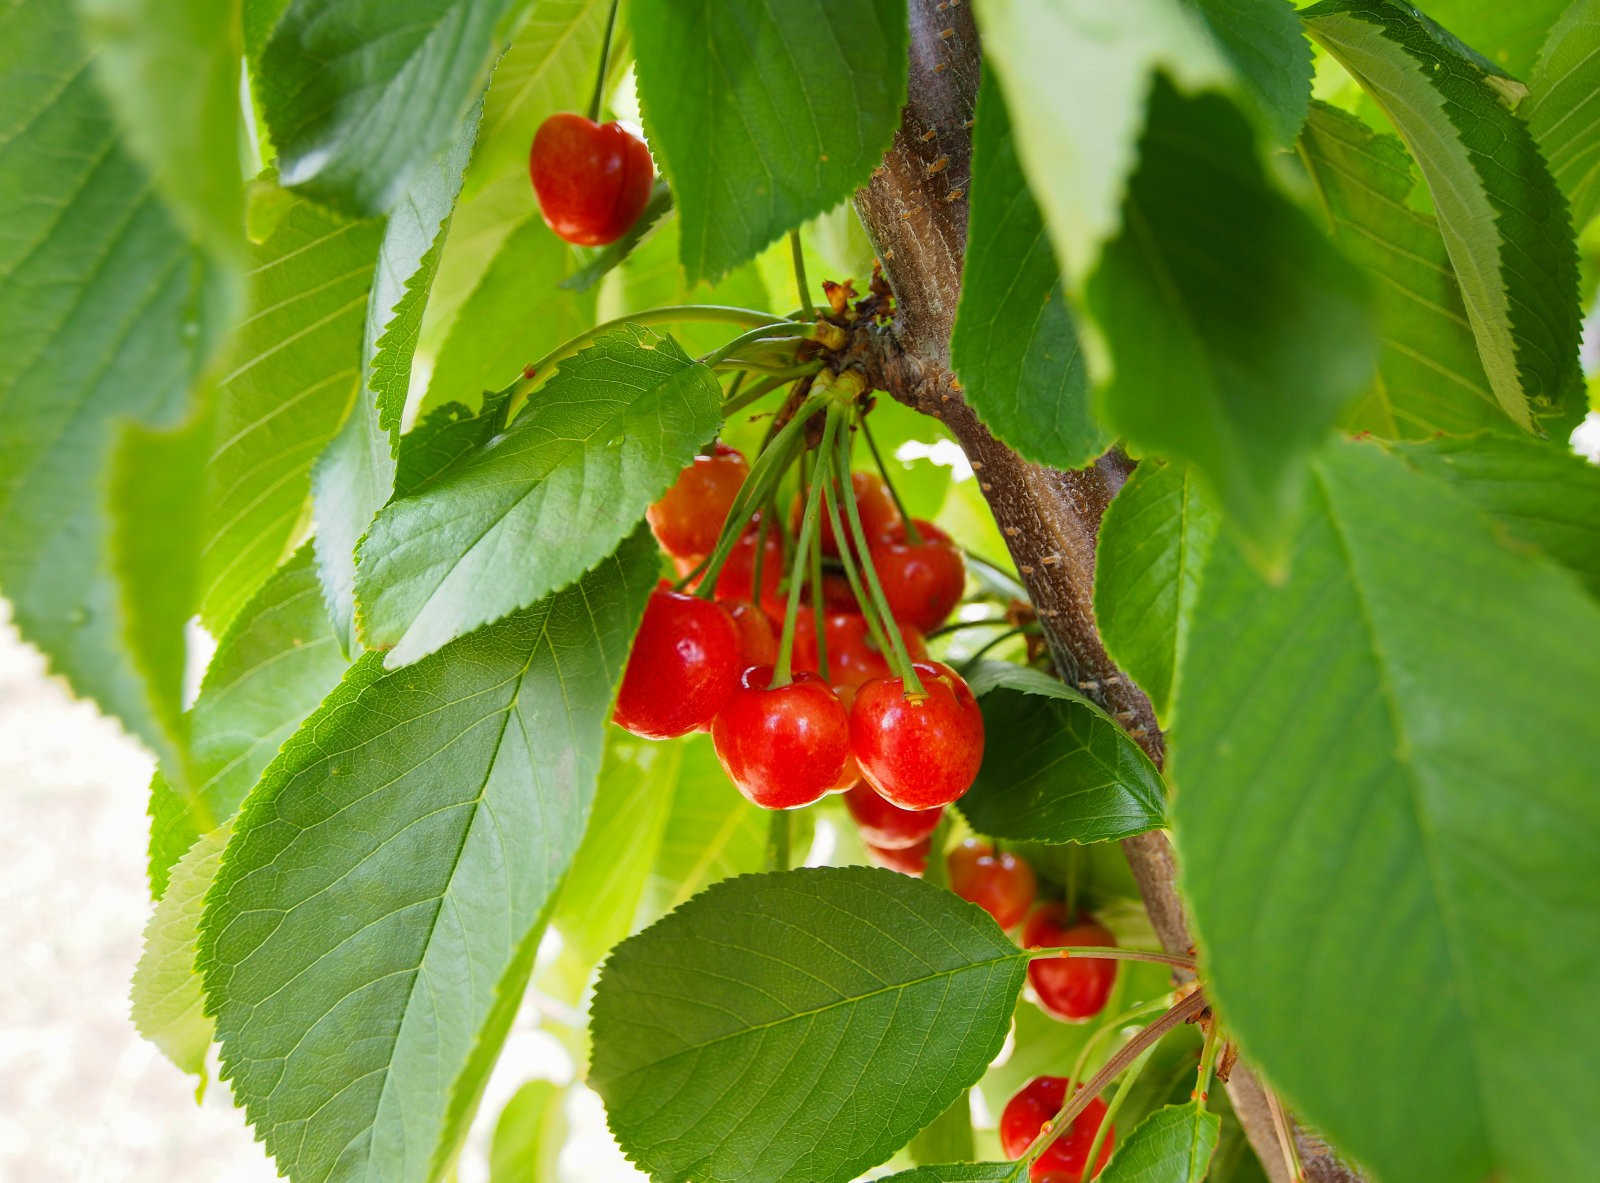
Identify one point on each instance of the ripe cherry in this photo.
(880, 517)
(736, 581)
(782, 747)
(1064, 1161)
(919, 754)
(592, 179)
(758, 644)
(922, 580)
(908, 860)
(1070, 988)
(887, 826)
(689, 516)
(852, 657)
(998, 882)
(683, 667)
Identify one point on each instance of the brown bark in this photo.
(915, 210)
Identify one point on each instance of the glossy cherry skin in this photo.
(758, 642)
(887, 826)
(908, 860)
(922, 580)
(1036, 1103)
(1000, 883)
(880, 517)
(689, 516)
(1072, 989)
(918, 754)
(683, 667)
(784, 747)
(852, 657)
(592, 179)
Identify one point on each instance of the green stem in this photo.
(956, 626)
(800, 274)
(1107, 1027)
(764, 387)
(797, 574)
(1208, 1061)
(1113, 953)
(978, 653)
(853, 575)
(778, 840)
(1117, 1098)
(858, 534)
(1184, 1010)
(913, 535)
(605, 58)
(819, 610)
(774, 331)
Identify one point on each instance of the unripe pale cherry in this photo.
(1072, 989)
(1064, 1160)
(1000, 883)
(592, 179)
(684, 664)
(918, 753)
(785, 746)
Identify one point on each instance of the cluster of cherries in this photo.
(705, 657)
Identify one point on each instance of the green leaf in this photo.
(787, 110)
(1266, 44)
(713, 832)
(108, 317)
(289, 376)
(1154, 540)
(171, 71)
(541, 503)
(1014, 344)
(276, 662)
(1509, 35)
(1563, 107)
(797, 1025)
(494, 336)
(1076, 75)
(1237, 333)
(1173, 1145)
(359, 96)
(1545, 498)
(387, 879)
(1398, 752)
(961, 1172)
(602, 895)
(354, 476)
(1056, 767)
(528, 1134)
(167, 1006)
(1504, 222)
(1429, 378)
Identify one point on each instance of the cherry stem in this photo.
(913, 535)
(1208, 1061)
(1286, 1146)
(956, 626)
(819, 609)
(908, 673)
(1112, 953)
(770, 465)
(774, 332)
(766, 386)
(852, 574)
(800, 283)
(605, 59)
(1009, 634)
(1107, 1027)
(1124, 1086)
(797, 574)
(1185, 1009)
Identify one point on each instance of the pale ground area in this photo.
(82, 1098)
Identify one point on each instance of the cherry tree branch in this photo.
(915, 209)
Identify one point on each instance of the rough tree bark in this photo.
(915, 210)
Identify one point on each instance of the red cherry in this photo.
(736, 581)
(592, 179)
(880, 517)
(919, 754)
(886, 826)
(908, 860)
(1070, 988)
(757, 642)
(684, 664)
(783, 747)
(689, 516)
(836, 593)
(1063, 1162)
(852, 657)
(1001, 884)
(923, 580)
